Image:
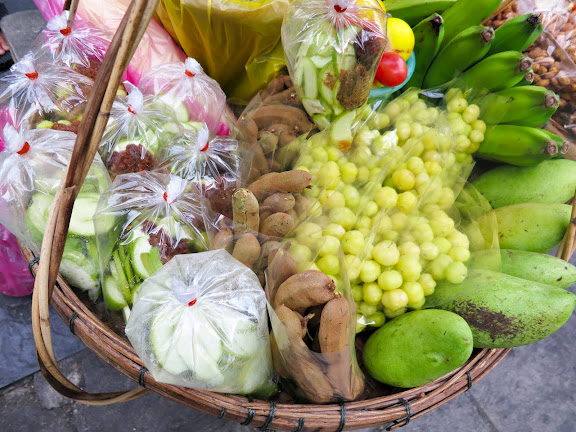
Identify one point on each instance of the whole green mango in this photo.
(533, 266)
(504, 311)
(534, 227)
(551, 181)
(417, 347)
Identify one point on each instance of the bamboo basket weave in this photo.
(391, 411)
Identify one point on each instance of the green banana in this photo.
(466, 13)
(428, 35)
(522, 106)
(466, 49)
(414, 11)
(527, 80)
(497, 72)
(517, 34)
(518, 145)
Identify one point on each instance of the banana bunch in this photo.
(454, 51)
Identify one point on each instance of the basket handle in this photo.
(90, 133)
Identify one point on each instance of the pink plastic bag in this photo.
(156, 47)
(15, 279)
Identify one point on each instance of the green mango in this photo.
(532, 266)
(417, 347)
(505, 311)
(534, 227)
(551, 181)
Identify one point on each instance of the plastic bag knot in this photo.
(32, 75)
(25, 149)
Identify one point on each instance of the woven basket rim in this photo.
(392, 410)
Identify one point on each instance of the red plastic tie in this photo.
(339, 8)
(192, 303)
(206, 146)
(130, 110)
(32, 75)
(190, 74)
(66, 31)
(165, 196)
(25, 148)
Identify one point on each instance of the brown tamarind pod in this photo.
(278, 128)
(302, 204)
(277, 225)
(248, 129)
(287, 181)
(306, 289)
(300, 363)
(277, 359)
(223, 240)
(246, 212)
(334, 333)
(314, 323)
(259, 160)
(293, 215)
(268, 141)
(267, 248)
(279, 202)
(295, 118)
(285, 97)
(276, 85)
(247, 249)
(281, 266)
(254, 174)
(285, 138)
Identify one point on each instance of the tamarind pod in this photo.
(287, 181)
(278, 128)
(292, 214)
(246, 212)
(303, 290)
(223, 240)
(346, 381)
(314, 323)
(296, 119)
(300, 364)
(279, 202)
(285, 138)
(259, 160)
(277, 225)
(254, 175)
(247, 249)
(277, 359)
(334, 333)
(302, 204)
(284, 97)
(268, 142)
(248, 129)
(287, 81)
(267, 248)
(265, 213)
(281, 266)
(275, 166)
(276, 85)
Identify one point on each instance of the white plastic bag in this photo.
(201, 322)
(185, 87)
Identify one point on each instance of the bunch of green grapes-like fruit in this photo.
(385, 201)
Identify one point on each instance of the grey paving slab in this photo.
(20, 29)
(17, 353)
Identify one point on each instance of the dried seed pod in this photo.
(223, 240)
(247, 249)
(246, 212)
(279, 202)
(287, 181)
(281, 266)
(303, 290)
(334, 334)
(277, 225)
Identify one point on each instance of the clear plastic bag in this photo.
(79, 46)
(138, 127)
(155, 48)
(32, 166)
(332, 50)
(201, 322)
(43, 91)
(144, 220)
(185, 87)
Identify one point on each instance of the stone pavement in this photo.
(532, 390)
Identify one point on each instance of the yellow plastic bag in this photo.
(237, 42)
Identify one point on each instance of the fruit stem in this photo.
(551, 148)
(525, 64)
(436, 23)
(551, 100)
(487, 35)
(533, 20)
(564, 149)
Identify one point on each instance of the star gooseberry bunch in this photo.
(386, 202)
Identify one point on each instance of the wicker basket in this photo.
(392, 411)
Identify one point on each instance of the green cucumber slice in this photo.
(123, 144)
(320, 61)
(123, 254)
(171, 127)
(79, 272)
(326, 77)
(177, 105)
(313, 106)
(117, 270)
(309, 78)
(37, 215)
(113, 294)
(192, 125)
(81, 222)
(163, 343)
(321, 121)
(138, 249)
(341, 132)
